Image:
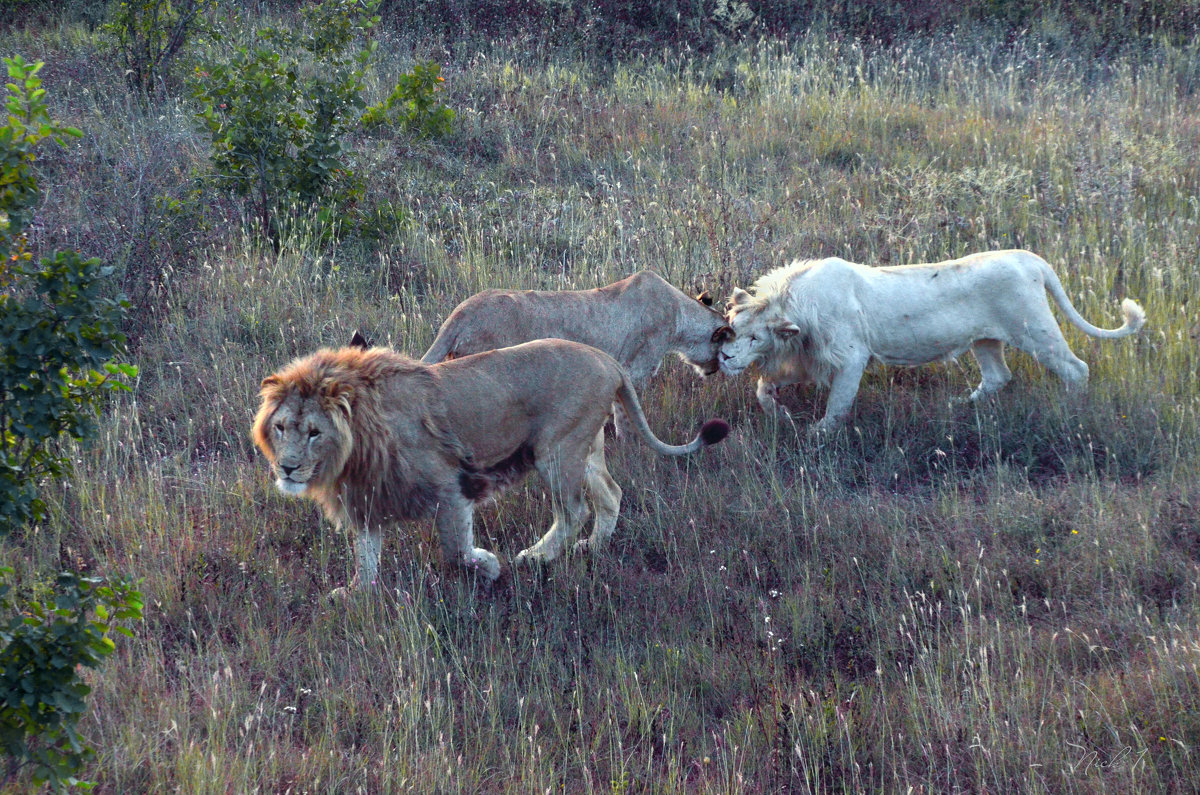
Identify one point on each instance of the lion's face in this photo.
(307, 438)
(753, 337)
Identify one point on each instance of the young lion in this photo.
(375, 438)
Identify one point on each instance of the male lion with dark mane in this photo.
(824, 320)
(375, 437)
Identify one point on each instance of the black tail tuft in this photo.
(714, 431)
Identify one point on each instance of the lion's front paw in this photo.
(822, 428)
(483, 562)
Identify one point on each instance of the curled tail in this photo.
(711, 432)
(1135, 316)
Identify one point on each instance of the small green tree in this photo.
(42, 646)
(149, 33)
(58, 330)
(57, 333)
(413, 105)
(279, 112)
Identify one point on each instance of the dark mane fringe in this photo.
(382, 478)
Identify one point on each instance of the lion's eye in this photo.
(279, 427)
(313, 433)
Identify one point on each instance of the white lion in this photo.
(824, 320)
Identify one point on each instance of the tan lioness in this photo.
(637, 321)
(376, 438)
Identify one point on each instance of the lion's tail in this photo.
(443, 345)
(711, 432)
(1135, 316)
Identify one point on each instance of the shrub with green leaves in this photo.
(27, 124)
(58, 328)
(43, 644)
(277, 112)
(149, 34)
(58, 331)
(413, 105)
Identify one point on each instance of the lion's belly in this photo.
(920, 337)
(922, 355)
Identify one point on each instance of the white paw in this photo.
(535, 555)
(821, 428)
(342, 595)
(484, 562)
(590, 544)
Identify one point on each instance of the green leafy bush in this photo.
(27, 124)
(413, 105)
(149, 33)
(42, 646)
(58, 330)
(277, 112)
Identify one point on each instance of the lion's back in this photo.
(617, 320)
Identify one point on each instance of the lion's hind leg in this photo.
(994, 372)
(456, 533)
(565, 476)
(606, 497)
(1046, 343)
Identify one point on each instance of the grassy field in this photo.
(941, 598)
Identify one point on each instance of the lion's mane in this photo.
(392, 431)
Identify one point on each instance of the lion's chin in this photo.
(732, 369)
(291, 487)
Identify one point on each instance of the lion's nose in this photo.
(287, 470)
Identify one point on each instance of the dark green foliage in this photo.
(277, 112)
(44, 643)
(57, 328)
(413, 104)
(612, 28)
(57, 332)
(27, 124)
(149, 34)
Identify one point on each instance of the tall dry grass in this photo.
(944, 597)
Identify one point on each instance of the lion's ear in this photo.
(786, 330)
(271, 385)
(336, 395)
(737, 298)
(722, 335)
(705, 298)
(359, 341)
